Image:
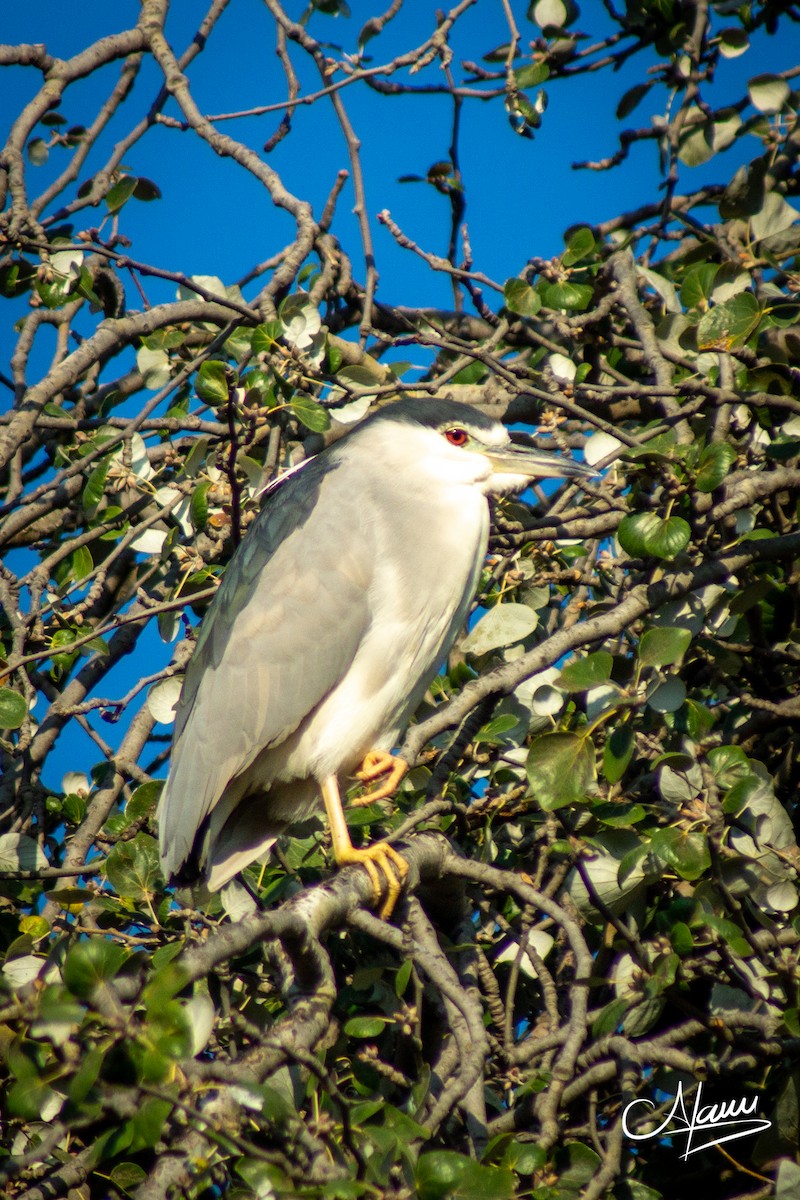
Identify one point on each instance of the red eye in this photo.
(457, 437)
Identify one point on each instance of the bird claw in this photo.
(375, 764)
(380, 859)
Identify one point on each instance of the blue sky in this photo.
(521, 194)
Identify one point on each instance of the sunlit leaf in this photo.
(580, 246)
(715, 463)
(313, 415)
(365, 1027)
(768, 93)
(531, 75)
(211, 382)
(586, 672)
(502, 625)
(728, 325)
(13, 708)
(561, 768)
(687, 853)
(572, 296)
(132, 867)
(521, 298)
(446, 1175)
(662, 646)
(19, 852)
(121, 192)
(642, 534)
(92, 963)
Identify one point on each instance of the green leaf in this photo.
(211, 382)
(664, 645)
(95, 487)
(633, 532)
(791, 1019)
(86, 1074)
(609, 1018)
(575, 1165)
(74, 808)
(313, 415)
(121, 192)
(29, 1098)
(148, 1124)
(730, 765)
(642, 534)
(90, 964)
(619, 816)
(573, 296)
(132, 867)
(521, 298)
(681, 938)
(560, 769)
(493, 731)
(524, 1157)
(730, 932)
(143, 801)
(127, 1176)
(699, 721)
(81, 562)
(686, 853)
(698, 285)
(365, 1027)
(265, 336)
(617, 753)
(402, 977)
(715, 463)
(586, 672)
(581, 245)
(55, 292)
(728, 325)
(446, 1175)
(198, 505)
(13, 708)
(531, 75)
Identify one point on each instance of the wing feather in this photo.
(279, 635)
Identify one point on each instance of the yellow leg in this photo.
(386, 868)
(378, 763)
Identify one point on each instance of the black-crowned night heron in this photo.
(333, 617)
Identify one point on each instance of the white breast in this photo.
(428, 552)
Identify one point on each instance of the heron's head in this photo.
(459, 444)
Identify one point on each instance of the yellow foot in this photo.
(386, 868)
(378, 763)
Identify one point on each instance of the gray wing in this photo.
(278, 636)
